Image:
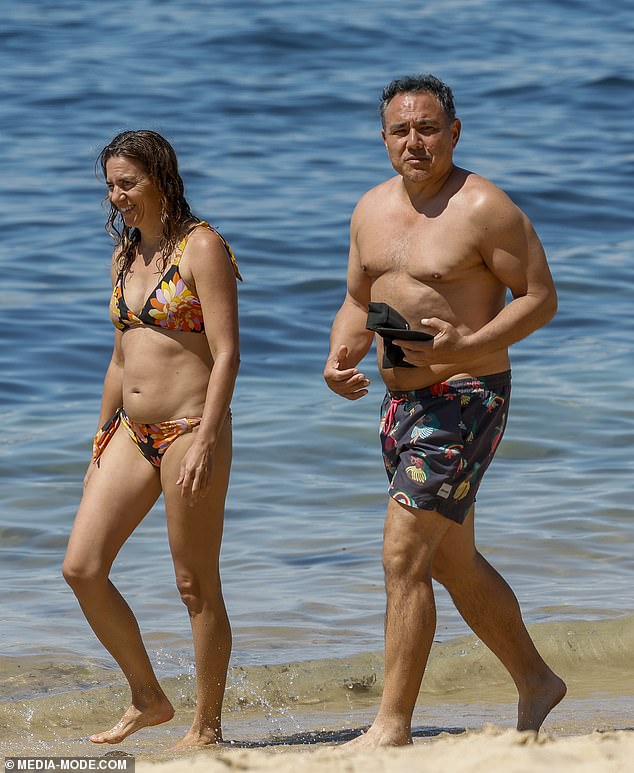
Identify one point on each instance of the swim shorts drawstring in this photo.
(388, 419)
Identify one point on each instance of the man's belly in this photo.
(405, 379)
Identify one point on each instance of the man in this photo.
(441, 246)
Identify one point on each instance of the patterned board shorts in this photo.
(438, 442)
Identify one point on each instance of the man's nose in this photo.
(414, 139)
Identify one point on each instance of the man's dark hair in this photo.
(417, 84)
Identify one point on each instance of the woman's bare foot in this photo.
(195, 737)
(381, 735)
(134, 719)
(535, 705)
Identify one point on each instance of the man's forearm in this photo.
(348, 329)
(515, 321)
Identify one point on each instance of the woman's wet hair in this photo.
(154, 154)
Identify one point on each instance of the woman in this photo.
(165, 426)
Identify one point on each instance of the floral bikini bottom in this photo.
(152, 440)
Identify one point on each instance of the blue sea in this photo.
(272, 108)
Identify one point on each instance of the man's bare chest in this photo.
(432, 252)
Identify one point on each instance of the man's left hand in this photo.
(447, 345)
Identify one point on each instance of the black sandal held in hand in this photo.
(389, 324)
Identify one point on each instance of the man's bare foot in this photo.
(533, 707)
(379, 735)
(136, 718)
(197, 738)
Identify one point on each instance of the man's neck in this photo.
(426, 190)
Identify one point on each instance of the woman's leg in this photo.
(195, 534)
(117, 496)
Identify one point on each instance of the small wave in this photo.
(49, 694)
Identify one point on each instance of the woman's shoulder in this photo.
(204, 241)
(202, 236)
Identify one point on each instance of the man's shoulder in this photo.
(376, 196)
(480, 189)
(483, 199)
(490, 209)
(381, 190)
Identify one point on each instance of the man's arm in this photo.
(349, 340)
(513, 253)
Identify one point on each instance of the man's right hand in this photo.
(346, 382)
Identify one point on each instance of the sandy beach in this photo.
(489, 751)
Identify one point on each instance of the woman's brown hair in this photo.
(157, 158)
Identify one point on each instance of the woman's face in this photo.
(133, 193)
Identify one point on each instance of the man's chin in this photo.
(415, 175)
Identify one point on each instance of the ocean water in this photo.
(272, 108)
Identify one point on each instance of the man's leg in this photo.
(491, 610)
(411, 538)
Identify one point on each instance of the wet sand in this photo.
(489, 750)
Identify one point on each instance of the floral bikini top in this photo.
(171, 305)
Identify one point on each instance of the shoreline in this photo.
(490, 750)
(50, 703)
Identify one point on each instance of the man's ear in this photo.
(456, 126)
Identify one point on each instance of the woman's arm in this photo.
(112, 396)
(215, 284)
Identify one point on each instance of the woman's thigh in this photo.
(117, 496)
(195, 530)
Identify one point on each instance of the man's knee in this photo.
(410, 543)
(453, 570)
(405, 561)
(441, 572)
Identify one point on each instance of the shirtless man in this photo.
(441, 246)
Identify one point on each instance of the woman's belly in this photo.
(165, 374)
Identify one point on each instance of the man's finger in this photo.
(413, 346)
(342, 375)
(356, 395)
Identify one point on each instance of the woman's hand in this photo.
(195, 472)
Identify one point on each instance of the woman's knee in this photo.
(195, 593)
(79, 573)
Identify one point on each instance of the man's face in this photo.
(419, 137)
